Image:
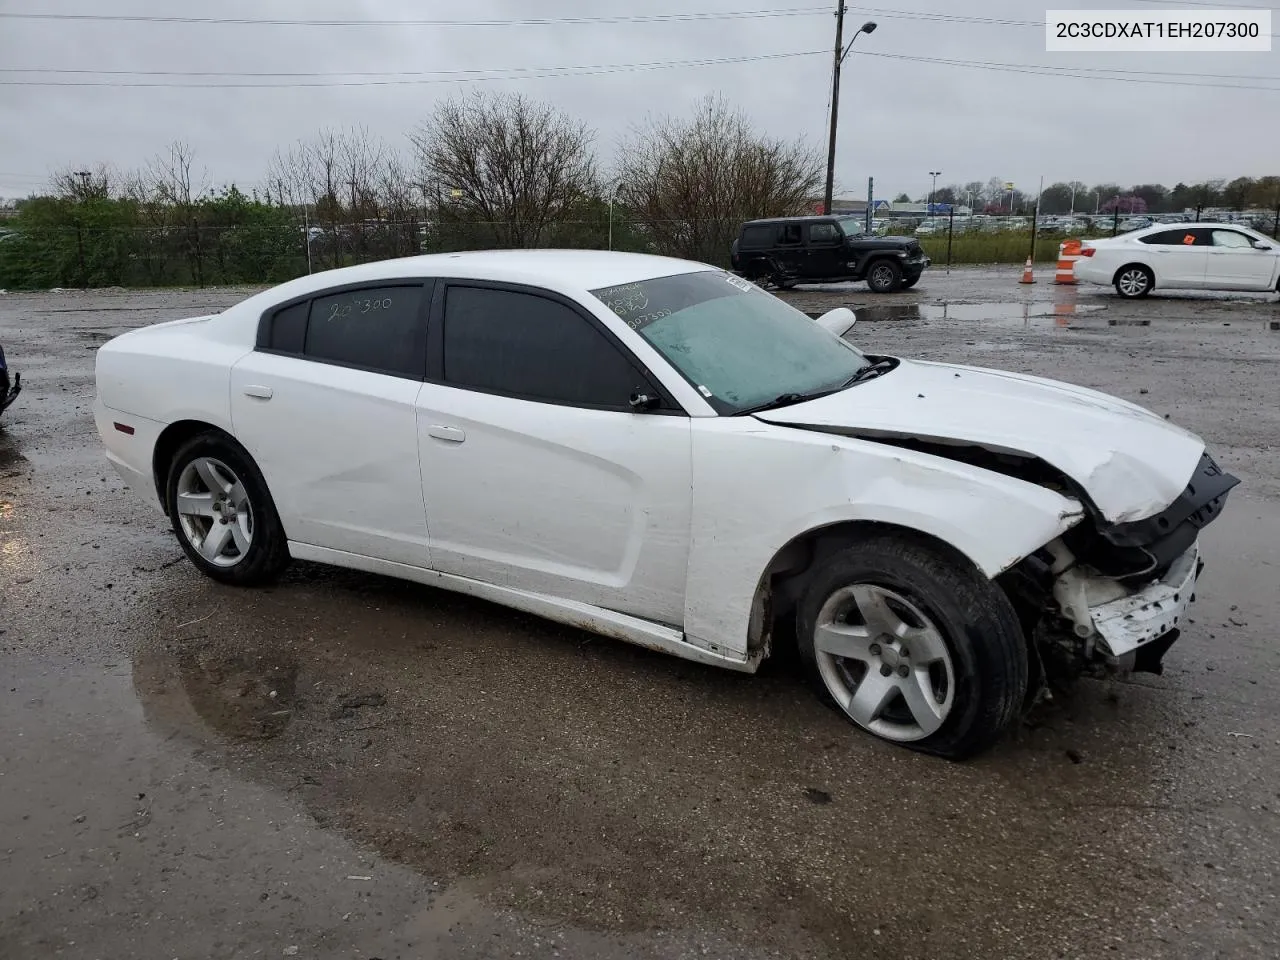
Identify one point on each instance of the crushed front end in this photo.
(1109, 597)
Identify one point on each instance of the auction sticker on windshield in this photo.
(1158, 31)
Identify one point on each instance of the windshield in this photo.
(739, 346)
(852, 226)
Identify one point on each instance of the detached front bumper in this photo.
(1123, 628)
(1136, 620)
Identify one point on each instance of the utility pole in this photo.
(835, 110)
(841, 52)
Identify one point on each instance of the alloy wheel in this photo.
(214, 512)
(884, 662)
(1133, 282)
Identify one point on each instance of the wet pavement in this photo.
(349, 766)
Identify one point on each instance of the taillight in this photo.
(1086, 251)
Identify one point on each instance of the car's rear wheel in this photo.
(1134, 281)
(883, 276)
(222, 512)
(914, 646)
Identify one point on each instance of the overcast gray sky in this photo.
(900, 118)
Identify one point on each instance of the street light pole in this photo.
(933, 188)
(840, 53)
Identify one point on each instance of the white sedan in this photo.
(658, 451)
(1190, 256)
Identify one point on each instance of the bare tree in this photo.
(170, 180)
(97, 182)
(340, 180)
(690, 183)
(506, 163)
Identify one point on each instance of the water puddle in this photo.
(241, 695)
(1007, 314)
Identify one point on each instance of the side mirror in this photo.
(839, 321)
(1261, 245)
(640, 402)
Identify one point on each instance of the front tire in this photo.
(1134, 281)
(914, 646)
(222, 512)
(883, 276)
(910, 282)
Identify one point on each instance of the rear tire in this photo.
(1133, 282)
(883, 276)
(222, 512)
(913, 645)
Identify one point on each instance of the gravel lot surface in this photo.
(349, 766)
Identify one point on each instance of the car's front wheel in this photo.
(914, 645)
(1134, 281)
(884, 276)
(910, 282)
(222, 512)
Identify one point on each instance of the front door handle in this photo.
(258, 391)
(451, 434)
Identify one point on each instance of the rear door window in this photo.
(789, 235)
(1185, 237)
(376, 328)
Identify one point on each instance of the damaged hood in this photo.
(1131, 462)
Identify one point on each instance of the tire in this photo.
(1133, 282)
(224, 496)
(883, 276)
(974, 664)
(910, 282)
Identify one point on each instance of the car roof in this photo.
(563, 270)
(764, 221)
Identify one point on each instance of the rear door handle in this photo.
(451, 434)
(258, 391)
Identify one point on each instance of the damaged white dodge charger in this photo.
(658, 451)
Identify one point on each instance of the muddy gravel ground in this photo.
(349, 766)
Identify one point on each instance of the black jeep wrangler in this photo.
(790, 250)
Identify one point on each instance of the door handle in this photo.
(450, 434)
(257, 391)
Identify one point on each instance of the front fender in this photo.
(757, 487)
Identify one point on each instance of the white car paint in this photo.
(1143, 464)
(1177, 265)
(654, 529)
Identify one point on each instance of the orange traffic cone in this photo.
(1028, 276)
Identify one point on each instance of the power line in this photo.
(514, 22)
(1049, 71)
(522, 70)
(471, 76)
(1203, 3)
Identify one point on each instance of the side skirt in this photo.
(608, 623)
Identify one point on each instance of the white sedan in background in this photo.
(661, 452)
(1189, 256)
